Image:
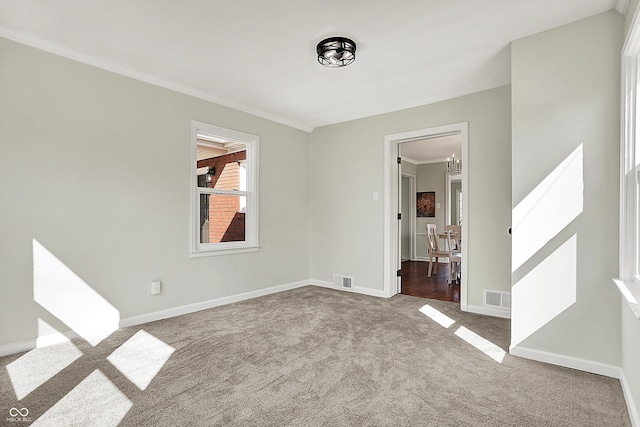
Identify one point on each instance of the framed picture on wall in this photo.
(426, 204)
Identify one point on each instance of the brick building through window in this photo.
(222, 216)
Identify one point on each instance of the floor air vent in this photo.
(497, 299)
(341, 281)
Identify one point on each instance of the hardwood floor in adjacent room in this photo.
(415, 282)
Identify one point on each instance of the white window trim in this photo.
(250, 244)
(629, 281)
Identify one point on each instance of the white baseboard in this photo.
(489, 311)
(30, 344)
(566, 361)
(190, 308)
(632, 406)
(364, 291)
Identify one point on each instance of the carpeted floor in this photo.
(306, 357)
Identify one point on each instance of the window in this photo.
(224, 191)
(629, 170)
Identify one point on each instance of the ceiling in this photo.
(258, 56)
(432, 150)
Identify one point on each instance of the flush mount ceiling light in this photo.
(336, 52)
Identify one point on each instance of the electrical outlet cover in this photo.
(156, 287)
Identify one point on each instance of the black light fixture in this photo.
(336, 52)
(210, 173)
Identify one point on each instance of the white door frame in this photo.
(412, 214)
(391, 257)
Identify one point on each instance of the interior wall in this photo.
(430, 177)
(346, 221)
(408, 167)
(565, 160)
(95, 168)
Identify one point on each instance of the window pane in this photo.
(221, 166)
(222, 218)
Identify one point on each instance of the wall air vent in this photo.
(497, 299)
(340, 281)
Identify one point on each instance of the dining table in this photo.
(445, 236)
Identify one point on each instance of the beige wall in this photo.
(430, 177)
(565, 99)
(347, 224)
(96, 168)
(409, 167)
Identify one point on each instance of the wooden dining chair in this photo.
(457, 231)
(433, 251)
(454, 249)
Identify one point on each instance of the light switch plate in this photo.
(156, 287)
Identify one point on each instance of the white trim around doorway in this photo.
(391, 257)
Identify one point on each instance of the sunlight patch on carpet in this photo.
(39, 365)
(484, 345)
(141, 357)
(93, 402)
(437, 316)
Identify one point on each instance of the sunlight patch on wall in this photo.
(545, 292)
(141, 357)
(93, 402)
(548, 208)
(437, 316)
(39, 365)
(65, 295)
(482, 344)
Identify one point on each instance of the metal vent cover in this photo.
(341, 281)
(498, 299)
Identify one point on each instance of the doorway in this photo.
(393, 205)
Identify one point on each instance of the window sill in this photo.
(631, 293)
(222, 251)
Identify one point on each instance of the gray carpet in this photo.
(306, 357)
